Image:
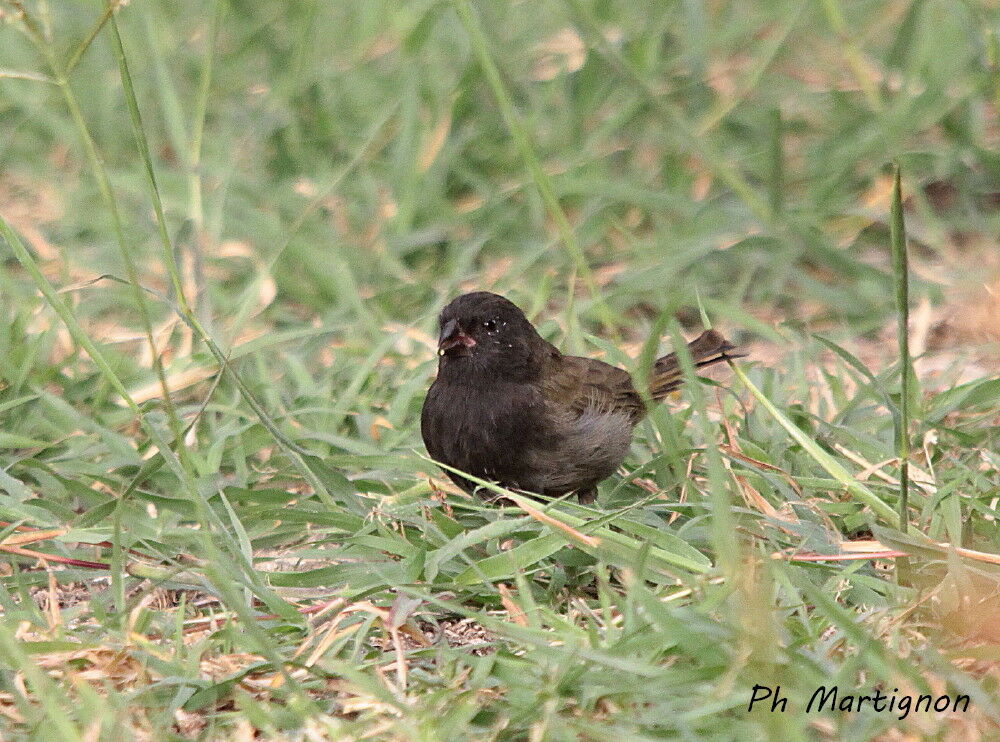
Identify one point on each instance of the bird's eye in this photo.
(490, 325)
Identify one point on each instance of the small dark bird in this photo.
(508, 407)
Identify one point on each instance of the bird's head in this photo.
(484, 332)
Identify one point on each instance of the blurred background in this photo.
(328, 175)
(351, 164)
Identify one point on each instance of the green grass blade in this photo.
(901, 278)
(724, 541)
(520, 135)
(831, 465)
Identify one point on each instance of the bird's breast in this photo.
(481, 428)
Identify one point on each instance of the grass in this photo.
(261, 207)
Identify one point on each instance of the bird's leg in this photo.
(587, 496)
(492, 498)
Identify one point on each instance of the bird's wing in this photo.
(578, 384)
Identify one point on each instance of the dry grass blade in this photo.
(574, 535)
(514, 611)
(30, 537)
(739, 456)
(55, 558)
(888, 554)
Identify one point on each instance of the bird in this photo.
(508, 407)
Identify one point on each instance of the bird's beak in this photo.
(452, 337)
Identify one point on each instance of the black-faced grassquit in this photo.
(508, 407)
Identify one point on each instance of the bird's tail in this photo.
(708, 348)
